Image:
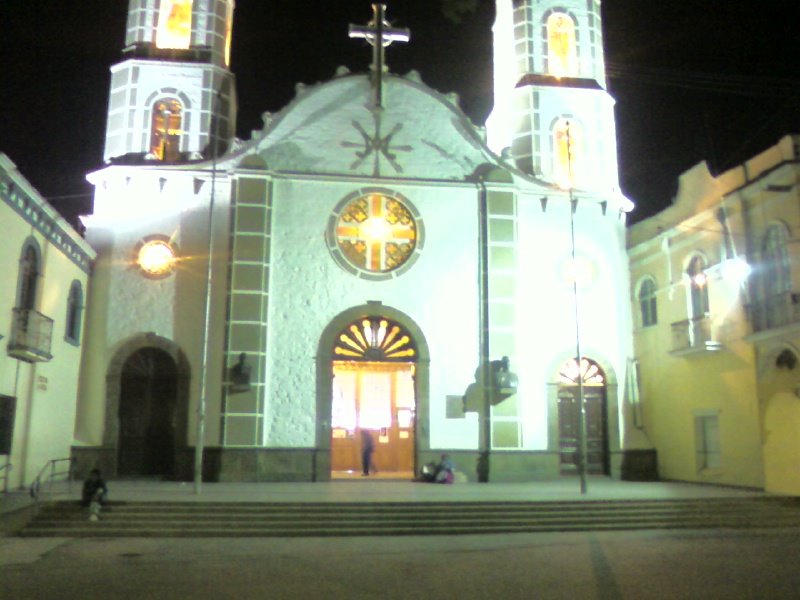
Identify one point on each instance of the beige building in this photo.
(45, 269)
(717, 324)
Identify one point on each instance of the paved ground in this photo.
(640, 565)
(753, 565)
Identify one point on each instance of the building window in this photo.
(776, 269)
(698, 287)
(29, 271)
(166, 129)
(647, 303)
(707, 441)
(74, 313)
(174, 24)
(562, 49)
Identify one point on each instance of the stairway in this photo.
(226, 519)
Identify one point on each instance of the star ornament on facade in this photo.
(377, 145)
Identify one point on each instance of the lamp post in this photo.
(582, 433)
(199, 445)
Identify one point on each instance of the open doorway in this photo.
(373, 398)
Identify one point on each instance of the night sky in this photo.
(714, 80)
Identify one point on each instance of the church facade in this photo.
(369, 261)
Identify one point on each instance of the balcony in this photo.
(693, 336)
(772, 312)
(31, 335)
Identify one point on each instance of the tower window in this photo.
(562, 49)
(165, 139)
(175, 24)
(567, 144)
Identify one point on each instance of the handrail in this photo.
(36, 486)
(5, 471)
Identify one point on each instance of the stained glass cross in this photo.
(379, 34)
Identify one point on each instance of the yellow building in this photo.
(45, 269)
(715, 280)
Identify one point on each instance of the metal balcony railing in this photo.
(31, 335)
(693, 336)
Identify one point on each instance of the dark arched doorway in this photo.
(569, 415)
(147, 414)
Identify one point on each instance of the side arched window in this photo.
(775, 264)
(74, 313)
(647, 303)
(562, 47)
(166, 129)
(698, 287)
(29, 271)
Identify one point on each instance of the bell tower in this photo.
(173, 96)
(551, 104)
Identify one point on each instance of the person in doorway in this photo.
(94, 494)
(367, 450)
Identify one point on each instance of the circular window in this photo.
(375, 233)
(155, 256)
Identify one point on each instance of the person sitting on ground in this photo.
(441, 472)
(94, 494)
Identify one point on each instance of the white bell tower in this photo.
(551, 104)
(173, 96)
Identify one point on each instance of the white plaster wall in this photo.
(546, 306)
(129, 206)
(308, 289)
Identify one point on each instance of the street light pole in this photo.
(582, 433)
(199, 445)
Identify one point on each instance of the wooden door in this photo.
(596, 429)
(147, 414)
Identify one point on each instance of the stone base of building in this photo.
(310, 464)
(634, 465)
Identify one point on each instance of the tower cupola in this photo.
(172, 97)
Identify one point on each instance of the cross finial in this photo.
(379, 34)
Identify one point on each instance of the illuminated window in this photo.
(74, 313)
(156, 257)
(375, 234)
(567, 152)
(647, 303)
(589, 371)
(174, 24)
(165, 137)
(228, 34)
(375, 339)
(562, 50)
(698, 287)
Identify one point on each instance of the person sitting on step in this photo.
(441, 472)
(94, 494)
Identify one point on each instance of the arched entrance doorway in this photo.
(569, 415)
(373, 398)
(147, 414)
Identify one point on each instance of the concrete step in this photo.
(199, 519)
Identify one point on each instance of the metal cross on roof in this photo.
(379, 34)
